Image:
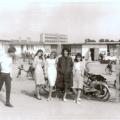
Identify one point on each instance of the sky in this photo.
(79, 19)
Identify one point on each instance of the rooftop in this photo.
(26, 42)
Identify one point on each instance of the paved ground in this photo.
(26, 107)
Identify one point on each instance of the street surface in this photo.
(27, 107)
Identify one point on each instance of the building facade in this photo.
(53, 38)
(95, 48)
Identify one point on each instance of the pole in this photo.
(118, 74)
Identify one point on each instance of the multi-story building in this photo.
(53, 38)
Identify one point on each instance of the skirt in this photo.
(52, 75)
(39, 76)
(78, 80)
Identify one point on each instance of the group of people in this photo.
(62, 72)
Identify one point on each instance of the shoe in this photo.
(64, 99)
(8, 105)
(49, 99)
(39, 98)
(79, 99)
(78, 102)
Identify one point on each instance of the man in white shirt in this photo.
(6, 73)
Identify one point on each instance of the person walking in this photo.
(38, 65)
(78, 76)
(64, 72)
(20, 69)
(6, 73)
(51, 72)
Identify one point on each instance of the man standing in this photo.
(6, 73)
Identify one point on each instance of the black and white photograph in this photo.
(59, 60)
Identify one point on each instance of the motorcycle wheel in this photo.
(107, 70)
(102, 93)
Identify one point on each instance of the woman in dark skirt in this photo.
(64, 72)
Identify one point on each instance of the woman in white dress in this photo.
(78, 75)
(38, 65)
(51, 72)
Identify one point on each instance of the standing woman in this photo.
(78, 76)
(51, 72)
(64, 72)
(38, 64)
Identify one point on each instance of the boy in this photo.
(6, 73)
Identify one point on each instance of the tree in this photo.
(106, 40)
(89, 40)
(101, 40)
(93, 41)
(112, 41)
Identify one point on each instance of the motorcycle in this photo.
(96, 87)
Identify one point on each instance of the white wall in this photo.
(85, 48)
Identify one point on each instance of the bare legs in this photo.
(50, 92)
(77, 93)
(38, 92)
(64, 96)
(78, 96)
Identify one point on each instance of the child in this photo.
(30, 70)
(20, 69)
(78, 76)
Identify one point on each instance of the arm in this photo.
(74, 69)
(34, 62)
(83, 67)
(46, 67)
(59, 67)
(70, 66)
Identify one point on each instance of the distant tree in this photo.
(93, 40)
(101, 40)
(106, 40)
(112, 41)
(89, 40)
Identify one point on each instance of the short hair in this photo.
(65, 49)
(55, 54)
(78, 55)
(11, 50)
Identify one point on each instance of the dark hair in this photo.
(38, 52)
(76, 56)
(11, 49)
(65, 49)
(53, 52)
(22, 65)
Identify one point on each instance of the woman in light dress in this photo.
(38, 65)
(78, 76)
(51, 72)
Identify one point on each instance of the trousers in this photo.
(5, 77)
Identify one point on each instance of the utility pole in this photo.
(118, 75)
